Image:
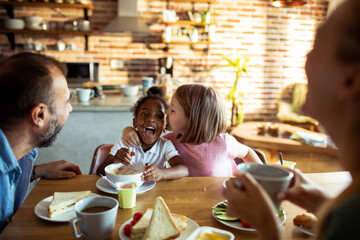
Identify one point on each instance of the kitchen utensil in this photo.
(125, 176)
(60, 45)
(273, 179)
(95, 217)
(14, 23)
(110, 182)
(281, 158)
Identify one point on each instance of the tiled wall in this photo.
(277, 40)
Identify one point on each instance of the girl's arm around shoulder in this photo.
(177, 169)
(240, 150)
(252, 157)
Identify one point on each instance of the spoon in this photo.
(281, 158)
(110, 182)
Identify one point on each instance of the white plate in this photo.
(104, 186)
(224, 182)
(307, 231)
(41, 210)
(238, 225)
(191, 226)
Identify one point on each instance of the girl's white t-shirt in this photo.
(157, 155)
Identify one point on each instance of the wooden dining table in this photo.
(193, 197)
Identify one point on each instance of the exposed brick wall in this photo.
(277, 40)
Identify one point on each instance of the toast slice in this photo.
(180, 221)
(162, 225)
(139, 229)
(64, 202)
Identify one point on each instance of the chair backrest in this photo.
(260, 154)
(101, 152)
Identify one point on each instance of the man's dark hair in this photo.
(25, 81)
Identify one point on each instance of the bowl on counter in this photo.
(121, 174)
(129, 90)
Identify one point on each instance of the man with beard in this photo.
(34, 105)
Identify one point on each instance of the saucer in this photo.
(104, 186)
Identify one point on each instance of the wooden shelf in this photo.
(187, 22)
(188, 42)
(45, 32)
(10, 33)
(45, 4)
(191, 1)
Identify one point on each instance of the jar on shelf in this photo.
(164, 81)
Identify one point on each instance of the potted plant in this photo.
(240, 65)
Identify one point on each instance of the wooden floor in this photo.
(308, 162)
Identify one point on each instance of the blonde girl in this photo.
(197, 120)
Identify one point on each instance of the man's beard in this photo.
(48, 139)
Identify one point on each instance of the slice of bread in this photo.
(161, 224)
(64, 201)
(139, 229)
(180, 221)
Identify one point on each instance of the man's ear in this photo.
(350, 86)
(134, 123)
(39, 113)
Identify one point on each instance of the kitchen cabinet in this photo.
(10, 33)
(188, 27)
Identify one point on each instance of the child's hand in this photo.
(123, 156)
(130, 137)
(151, 173)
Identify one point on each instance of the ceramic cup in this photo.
(84, 94)
(95, 216)
(147, 83)
(273, 179)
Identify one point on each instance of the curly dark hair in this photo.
(153, 93)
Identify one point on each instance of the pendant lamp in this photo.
(287, 3)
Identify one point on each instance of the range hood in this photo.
(126, 19)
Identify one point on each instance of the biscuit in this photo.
(306, 220)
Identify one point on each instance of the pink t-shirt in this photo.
(214, 159)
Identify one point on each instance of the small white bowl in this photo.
(119, 180)
(14, 23)
(33, 20)
(211, 230)
(129, 90)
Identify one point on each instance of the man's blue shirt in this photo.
(14, 179)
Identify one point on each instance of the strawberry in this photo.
(127, 230)
(137, 216)
(245, 224)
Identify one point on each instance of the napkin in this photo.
(312, 139)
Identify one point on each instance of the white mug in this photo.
(60, 45)
(272, 178)
(96, 217)
(84, 94)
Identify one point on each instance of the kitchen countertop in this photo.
(111, 103)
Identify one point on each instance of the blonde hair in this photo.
(205, 111)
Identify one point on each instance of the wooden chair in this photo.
(100, 154)
(260, 154)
